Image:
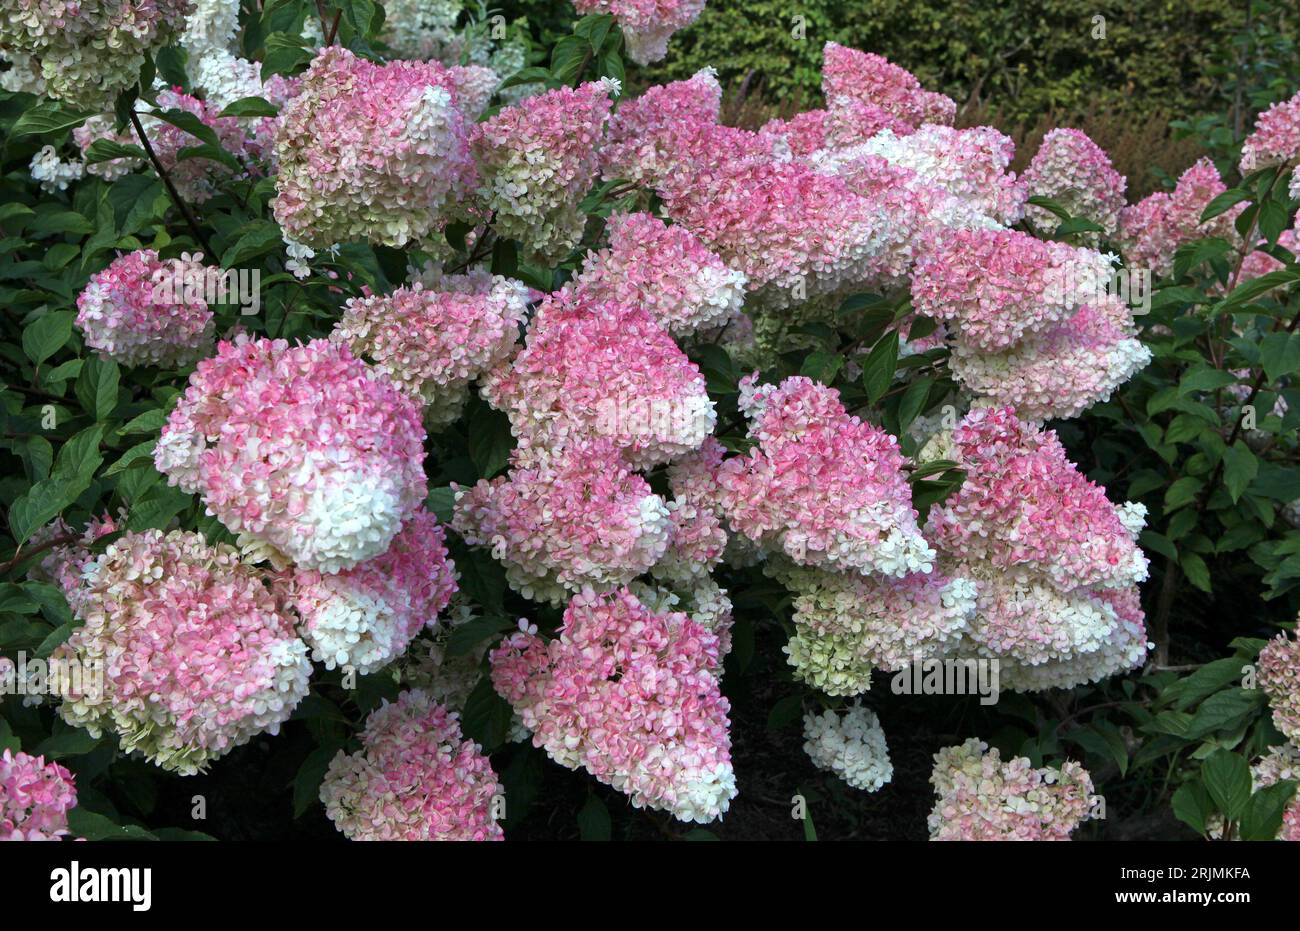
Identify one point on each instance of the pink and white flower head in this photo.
(304, 451)
(1062, 371)
(850, 745)
(35, 798)
(366, 616)
(84, 53)
(700, 598)
(1152, 229)
(375, 152)
(796, 233)
(1275, 139)
(1112, 617)
(416, 778)
(849, 123)
(848, 74)
(602, 370)
(197, 658)
(847, 624)
(1024, 506)
(647, 24)
(1074, 171)
(196, 179)
(1278, 764)
(1279, 674)
(566, 519)
(538, 159)
(970, 164)
(141, 310)
(646, 134)
(665, 269)
(64, 564)
(433, 341)
(630, 695)
(982, 798)
(823, 487)
(1001, 286)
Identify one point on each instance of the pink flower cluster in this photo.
(432, 341)
(602, 369)
(647, 24)
(821, 486)
(300, 449)
(1074, 171)
(1152, 229)
(1281, 763)
(1054, 564)
(982, 798)
(416, 778)
(538, 158)
(366, 151)
(1279, 675)
(1061, 372)
(197, 658)
(645, 136)
(141, 310)
(35, 798)
(665, 269)
(567, 519)
(64, 564)
(630, 695)
(1275, 139)
(366, 616)
(848, 74)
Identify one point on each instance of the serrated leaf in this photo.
(1226, 776)
(47, 334)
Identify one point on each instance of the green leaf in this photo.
(568, 59)
(442, 502)
(258, 238)
(878, 370)
(913, 402)
(250, 106)
(593, 820)
(1182, 492)
(97, 386)
(46, 117)
(306, 784)
(1279, 353)
(1227, 780)
(92, 826)
(69, 743)
(1262, 819)
(1191, 804)
(822, 366)
(486, 718)
(285, 54)
(106, 150)
(47, 334)
(1239, 469)
(73, 470)
(490, 442)
(464, 639)
(1223, 203)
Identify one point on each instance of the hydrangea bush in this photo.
(475, 428)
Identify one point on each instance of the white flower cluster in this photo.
(851, 745)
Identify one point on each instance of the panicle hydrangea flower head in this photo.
(142, 310)
(64, 563)
(1073, 170)
(303, 449)
(850, 745)
(52, 173)
(1025, 506)
(647, 24)
(630, 695)
(647, 132)
(366, 616)
(1278, 764)
(85, 53)
(665, 269)
(796, 233)
(197, 658)
(823, 487)
(1279, 674)
(1275, 139)
(35, 798)
(846, 624)
(367, 151)
(416, 777)
(433, 341)
(1152, 229)
(1062, 371)
(853, 75)
(211, 27)
(195, 178)
(982, 798)
(602, 369)
(970, 164)
(566, 519)
(1000, 286)
(538, 158)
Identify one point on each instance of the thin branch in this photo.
(183, 207)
